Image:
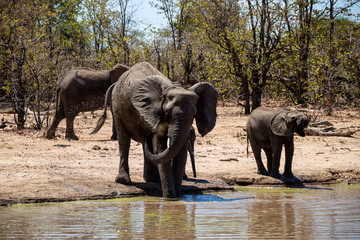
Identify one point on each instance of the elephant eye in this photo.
(170, 98)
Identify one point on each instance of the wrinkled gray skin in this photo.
(271, 129)
(82, 90)
(151, 110)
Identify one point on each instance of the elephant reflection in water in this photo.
(157, 220)
(276, 216)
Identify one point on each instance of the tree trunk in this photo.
(20, 91)
(245, 86)
(256, 97)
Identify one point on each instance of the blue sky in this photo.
(146, 14)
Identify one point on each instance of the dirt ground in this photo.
(34, 169)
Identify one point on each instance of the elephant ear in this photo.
(146, 96)
(206, 107)
(279, 124)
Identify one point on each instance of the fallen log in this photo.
(320, 123)
(319, 132)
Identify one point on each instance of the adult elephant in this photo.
(150, 109)
(82, 90)
(270, 129)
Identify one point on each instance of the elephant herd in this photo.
(158, 113)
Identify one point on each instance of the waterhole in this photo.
(331, 212)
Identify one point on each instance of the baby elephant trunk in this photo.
(301, 124)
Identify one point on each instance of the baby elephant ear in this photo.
(146, 96)
(206, 107)
(279, 125)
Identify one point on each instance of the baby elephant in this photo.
(270, 129)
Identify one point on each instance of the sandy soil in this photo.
(34, 169)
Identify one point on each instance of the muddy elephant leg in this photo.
(178, 169)
(257, 154)
(274, 172)
(269, 157)
(289, 152)
(70, 134)
(124, 146)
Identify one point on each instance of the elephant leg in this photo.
(190, 145)
(257, 154)
(289, 153)
(70, 134)
(269, 157)
(151, 172)
(59, 115)
(178, 169)
(276, 162)
(124, 146)
(54, 124)
(114, 134)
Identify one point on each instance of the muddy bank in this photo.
(34, 169)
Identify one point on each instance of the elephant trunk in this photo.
(178, 134)
(301, 124)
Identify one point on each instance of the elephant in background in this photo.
(269, 130)
(148, 108)
(82, 90)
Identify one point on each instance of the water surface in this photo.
(250, 213)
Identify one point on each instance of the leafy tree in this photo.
(32, 43)
(249, 35)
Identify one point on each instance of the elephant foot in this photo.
(72, 137)
(50, 136)
(170, 194)
(123, 179)
(276, 175)
(289, 175)
(264, 172)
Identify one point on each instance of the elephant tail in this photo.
(108, 95)
(102, 118)
(100, 122)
